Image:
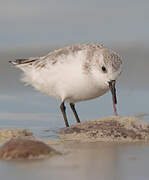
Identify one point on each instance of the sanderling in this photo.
(73, 73)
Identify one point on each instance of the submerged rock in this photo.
(123, 129)
(17, 149)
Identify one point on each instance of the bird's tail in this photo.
(18, 62)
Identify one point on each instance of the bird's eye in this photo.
(104, 69)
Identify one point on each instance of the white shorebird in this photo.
(73, 73)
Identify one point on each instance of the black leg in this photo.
(75, 112)
(63, 109)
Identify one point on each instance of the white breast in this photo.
(65, 80)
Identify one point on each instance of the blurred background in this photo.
(37, 23)
(35, 27)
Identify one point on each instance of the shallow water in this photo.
(23, 107)
(85, 161)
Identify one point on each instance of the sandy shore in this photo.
(108, 129)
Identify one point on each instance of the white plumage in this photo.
(72, 74)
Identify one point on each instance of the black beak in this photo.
(113, 90)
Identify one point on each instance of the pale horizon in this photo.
(41, 23)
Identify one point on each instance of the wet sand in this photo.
(106, 160)
(108, 129)
(25, 149)
(22, 144)
(84, 161)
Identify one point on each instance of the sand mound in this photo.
(7, 134)
(17, 149)
(122, 129)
